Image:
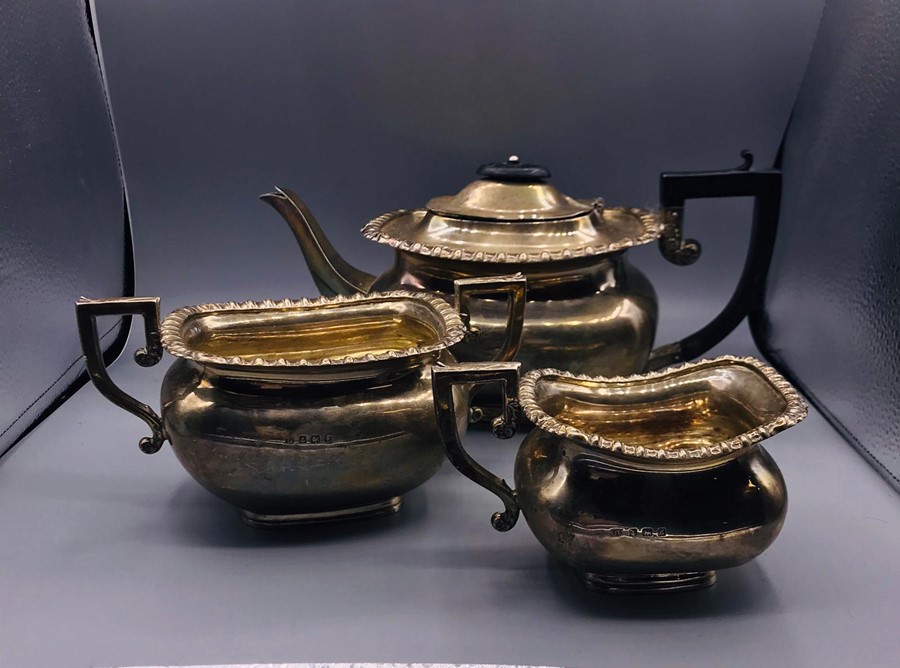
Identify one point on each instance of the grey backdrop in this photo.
(365, 107)
(114, 558)
(62, 207)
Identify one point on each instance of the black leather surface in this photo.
(63, 225)
(833, 293)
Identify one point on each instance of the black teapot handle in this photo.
(86, 311)
(764, 185)
(443, 380)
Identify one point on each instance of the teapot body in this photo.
(286, 455)
(610, 523)
(597, 314)
(588, 308)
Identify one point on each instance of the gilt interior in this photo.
(688, 409)
(314, 333)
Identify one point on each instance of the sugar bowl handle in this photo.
(86, 311)
(515, 287)
(472, 374)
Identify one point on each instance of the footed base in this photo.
(647, 583)
(263, 521)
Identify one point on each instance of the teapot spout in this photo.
(332, 274)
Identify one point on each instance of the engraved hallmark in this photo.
(615, 531)
(311, 439)
(635, 532)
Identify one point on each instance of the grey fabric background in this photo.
(62, 204)
(840, 231)
(365, 107)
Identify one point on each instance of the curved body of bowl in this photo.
(318, 452)
(632, 529)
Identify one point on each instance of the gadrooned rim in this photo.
(172, 341)
(795, 411)
(651, 221)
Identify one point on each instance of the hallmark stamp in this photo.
(309, 439)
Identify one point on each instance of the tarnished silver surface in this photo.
(301, 411)
(646, 483)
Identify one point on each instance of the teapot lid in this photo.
(510, 191)
(513, 215)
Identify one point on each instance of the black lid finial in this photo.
(514, 170)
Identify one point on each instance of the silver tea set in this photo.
(508, 304)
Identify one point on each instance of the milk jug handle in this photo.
(764, 185)
(87, 311)
(443, 380)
